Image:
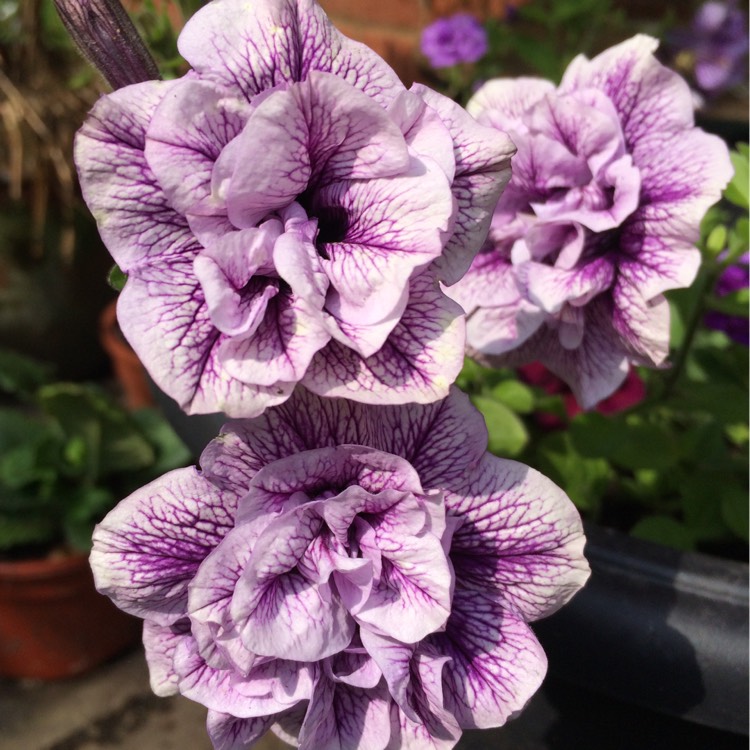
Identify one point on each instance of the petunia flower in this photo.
(732, 279)
(286, 212)
(351, 576)
(609, 186)
(459, 38)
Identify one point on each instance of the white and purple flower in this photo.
(609, 186)
(350, 575)
(285, 214)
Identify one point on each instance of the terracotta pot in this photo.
(127, 368)
(53, 622)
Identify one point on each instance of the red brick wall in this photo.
(392, 27)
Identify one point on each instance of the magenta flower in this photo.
(609, 186)
(350, 575)
(457, 39)
(285, 214)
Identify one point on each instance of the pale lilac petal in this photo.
(230, 733)
(278, 42)
(648, 96)
(164, 316)
(270, 688)
(353, 667)
(185, 137)
(115, 176)
(521, 538)
(482, 171)
(160, 642)
(147, 550)
(496, 663)
(502, 103)
(643, 325)
(394, 660)
(396, 226)
(420, 359)
(277, 611)
(342, 717)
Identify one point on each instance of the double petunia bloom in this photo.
(350, 575)
(286, 212)
(609, 187)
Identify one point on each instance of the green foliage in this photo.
(68, 453)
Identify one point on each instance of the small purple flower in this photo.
(609, 186)
(732, 279)
(286, 212)
(457, 39)
(718, 43)
(348, 575)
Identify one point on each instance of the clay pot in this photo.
(128, 370)
(53, 622)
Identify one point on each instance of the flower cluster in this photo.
(457, 39)
(715, 46)
(333, 559)
(296, 211)
(609, 186)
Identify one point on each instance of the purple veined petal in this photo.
(436, 728)
(502, 103)
(210, 595)
(412, 596)
(643, 325)
(424, 131)
(521, 539)
(594, 370)
(147, 550)
(646, 94)
(496, 664)
(185, 137)
(163, 315)
(227, 732)
(280, 349)
(160, 642)
(342, 717)
(392, 228)
(354, 668)
(482, 171)
(500, 329)
(278, 41)
(114, 176)
(441, 441)
(276, 610)
(305, 422)
(270, 688)
(550, 288)
(394, 661)
(655, 259)
(490, 282)
(421, 358)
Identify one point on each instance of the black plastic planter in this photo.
(658, 628)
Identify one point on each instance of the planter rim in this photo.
(694, 572)
(40, 569)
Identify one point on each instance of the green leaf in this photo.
(664, 530)
(627, 444)
(19, 530)
(737, 191)
(585, 480)
(170, 451)
(735, 304)
(734, 510)
(701, 507)
(21, 375)
(716, 242)
(507, 433)
(116, 278)
(515, 395)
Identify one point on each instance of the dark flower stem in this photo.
(107, 38)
